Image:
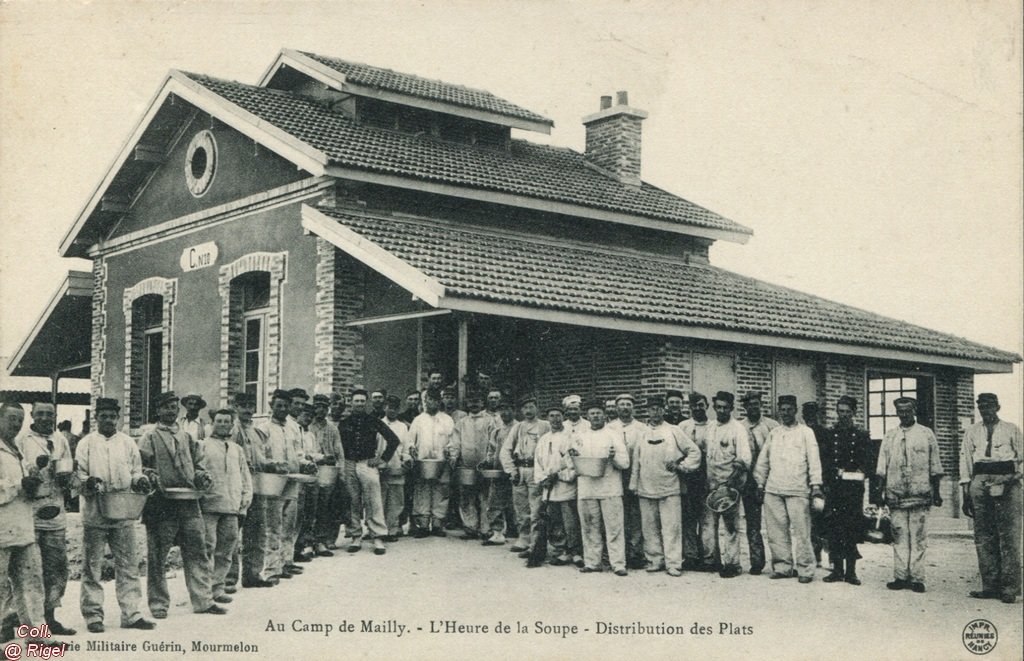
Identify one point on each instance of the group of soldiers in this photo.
(667, 493)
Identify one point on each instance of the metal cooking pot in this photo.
(121, 505)
(268, 484)
(326, 476)
(430, 469)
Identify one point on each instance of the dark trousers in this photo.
(184, 525)
(844, 523)
(692, 515)
(752, 514)
(53, 547)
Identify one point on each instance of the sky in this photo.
(873, 147)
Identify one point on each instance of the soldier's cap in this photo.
(412, 392)
(673, 393)
(307, 407)
(988, 398)
(450, 390)
(527, 399)
(321, 399)
(596, 404)
(107, 404)
(849, 400)
(244, 399)
(608, 403)
(810, 407)
(656, 401)
(191, 397)
(624, 395)
(554, 407)
(298, 393)
(358, 391)
(569, 400)
(725, 396)
(280, 393)
(166, 397)
(696, 397)
(474, 396)
(905, 400)
(433, 393)
(392, 401)
(382, 393)
(505, 403)
(752, 395)
(787, 399)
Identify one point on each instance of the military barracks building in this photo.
(339, 223)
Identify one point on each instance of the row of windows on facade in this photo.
(251, 291)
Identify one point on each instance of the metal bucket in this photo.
(122, 505)
(430, 469)
(326, 476)
(590, 466)
(64, 466)
(466, 476)
(492, 473)
(268, 484)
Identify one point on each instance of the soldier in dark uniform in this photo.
(810, 414)
(846, 460)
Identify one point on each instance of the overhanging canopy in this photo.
(483, 269)
(60, 341)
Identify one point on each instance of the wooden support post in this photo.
(463, 356)
(54, 390)
(418, 383)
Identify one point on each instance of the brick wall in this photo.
(664, 363)
(99, 329)
(349, 284)
(613, 144)
(754, 371)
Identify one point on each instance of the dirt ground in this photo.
(412, 602)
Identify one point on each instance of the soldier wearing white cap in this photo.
(632, 431)
(600, 498)
(575, 423)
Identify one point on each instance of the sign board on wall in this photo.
(198, 257)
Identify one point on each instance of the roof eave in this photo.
(75, 283)
(179, 84)
(536, 204)
(465, 304)
(337, 81)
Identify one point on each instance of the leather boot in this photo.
(56, 628)
(851, 572)
(837, 572)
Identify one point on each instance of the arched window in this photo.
(251, 326)
(147, 363)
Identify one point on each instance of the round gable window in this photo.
(201, 163)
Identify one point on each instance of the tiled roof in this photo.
(435, 90)
(477, 263)
(526, 169)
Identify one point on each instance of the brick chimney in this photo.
(613, 138)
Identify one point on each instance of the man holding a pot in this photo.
(41, 450)
(109, 460)
(430, 438)
(174, 459)
(472, 434)
(600, 496)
